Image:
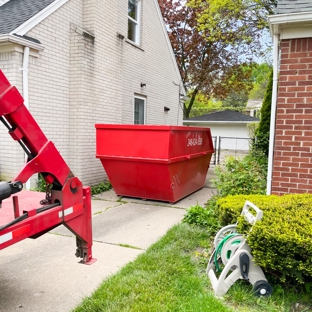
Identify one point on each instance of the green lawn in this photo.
(170, 276)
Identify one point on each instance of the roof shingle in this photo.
(16, 12)
(293, 6)
(224, 116)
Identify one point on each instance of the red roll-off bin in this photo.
(163, 163)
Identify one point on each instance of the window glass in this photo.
(131, 30)
(139, 111)
(132, 9)
(134, 20)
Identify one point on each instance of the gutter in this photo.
(284, 19)
(4, 39)
(25, 91)
(273, 114)
(25, 46)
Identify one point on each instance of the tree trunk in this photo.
(187, 110)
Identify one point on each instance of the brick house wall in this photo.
(77, 81)
(11, 156)
(292, 161)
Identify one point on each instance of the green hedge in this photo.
(281, 242)
(246, 175)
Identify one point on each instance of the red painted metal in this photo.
(71, 201)
(163, 163)
(16, 207)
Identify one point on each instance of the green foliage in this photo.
(236, 99)
(204, 216)
(226, 18)
(281, 242)
(252, 128)
(263, 132)
(95, 189)
(2, 177)
(41, 184)
(203, 105)
(100, 188)
(261, 77)
(230, 207)
(245, 175)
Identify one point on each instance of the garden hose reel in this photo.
(232, 259)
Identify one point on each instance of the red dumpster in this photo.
(163, 163)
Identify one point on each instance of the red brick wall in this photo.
(292, 162)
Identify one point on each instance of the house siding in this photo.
(292, 161)
(77, 82)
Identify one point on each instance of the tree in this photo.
(263, 131)
(239, 21)
(202, 105)
(260, 77)
(236, 99)
(206, 66)
(212, 57)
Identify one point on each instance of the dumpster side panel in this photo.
(132, 141)
(144, 180)
(188, 176)
(189, 140)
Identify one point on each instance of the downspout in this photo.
(273, 113)
(25, 90)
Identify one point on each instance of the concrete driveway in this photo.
(43, 275)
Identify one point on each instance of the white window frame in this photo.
(137, 23)
(144, 112)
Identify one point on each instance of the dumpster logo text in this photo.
(195, 141)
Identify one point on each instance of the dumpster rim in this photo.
(150, 127)
(156, 160)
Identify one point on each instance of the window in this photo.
(134, 8)
(139, 111)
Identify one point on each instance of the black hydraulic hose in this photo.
(21, 143)
(19, 219)
(44, 208)
(25, 215)
(5, 123)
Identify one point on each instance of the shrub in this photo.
(100, 188)
(245, 176)
(263, 131)
(95, 189)
(204, 216)
(230, 207)
(281, 242)
(41, 184)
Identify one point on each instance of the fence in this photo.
(226, 146)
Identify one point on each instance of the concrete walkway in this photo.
(43, 275)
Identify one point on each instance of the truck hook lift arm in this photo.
(69, 203)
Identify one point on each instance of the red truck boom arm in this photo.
(69, 202)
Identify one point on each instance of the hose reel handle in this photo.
(249, 217)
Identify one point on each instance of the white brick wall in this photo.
(11, 155)
(76, 83)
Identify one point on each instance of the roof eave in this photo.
(278, 21)
(5, 38)
(180, 83)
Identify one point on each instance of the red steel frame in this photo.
(70, 201)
